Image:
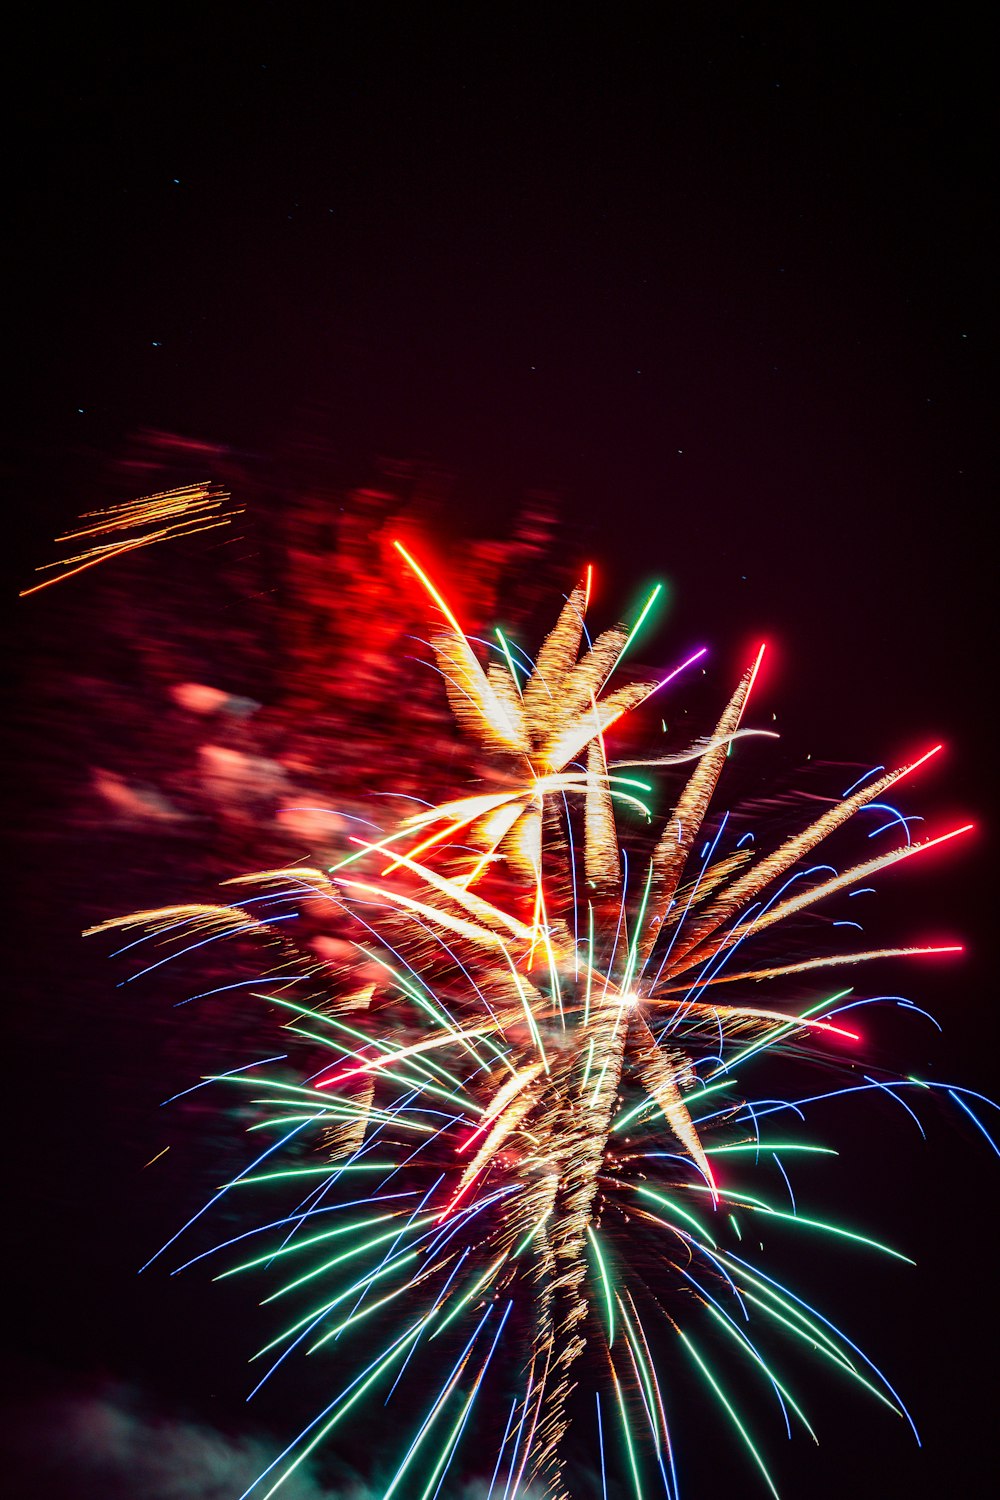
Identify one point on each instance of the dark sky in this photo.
(725, 286)
(724, 283)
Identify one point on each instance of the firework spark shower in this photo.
(519, 1150)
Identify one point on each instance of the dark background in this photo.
(725, 285)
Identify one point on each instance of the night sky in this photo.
(724, 287)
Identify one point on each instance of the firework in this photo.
(513, 1156)
(133, 524)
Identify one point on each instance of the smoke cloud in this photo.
(109, 1444)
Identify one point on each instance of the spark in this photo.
(162, 517)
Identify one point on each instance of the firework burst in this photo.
(510, 1157)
